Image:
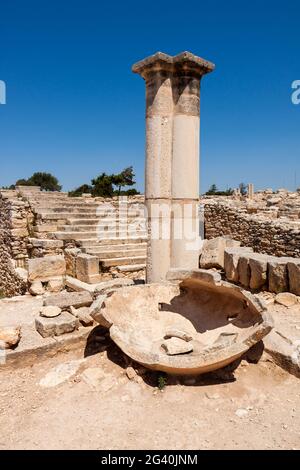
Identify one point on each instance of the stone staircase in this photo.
(115, 233)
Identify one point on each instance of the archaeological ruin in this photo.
(173, 282)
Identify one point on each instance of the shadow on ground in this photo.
(99, 341)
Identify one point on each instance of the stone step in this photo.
(112, 254)
(94, 235)
(72, 235)
(111, 262)
(131, 267)
(103, 228)
(102, 233)
(85, 210)
(105, 221)
(117, 247)
(94, 242)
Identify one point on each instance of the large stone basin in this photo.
(217, 320)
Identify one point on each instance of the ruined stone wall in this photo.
(273, 237)
(11, 244)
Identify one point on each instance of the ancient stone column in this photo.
(250, 190)
(172, 159)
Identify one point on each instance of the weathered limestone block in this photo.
(174, 346)
(22, 273)
(213, 252)
(244, 270)
(55, 285)
(71, 255)
(50, 311)
(83, 315)
(287, 299)
(87, 268)
(43, 269)
(36, 288)
(113, 284)
(278, 275)
(46, 243)
(9, 337)
(68, 299)
(294, 276)
(64, 323)
(258, 270)
(231, 260)
(95, 310)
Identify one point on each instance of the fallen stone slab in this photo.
(64, 323)
(83, 315)
(65, 299)
(287, 299)
(284, 352)
(45, 268)
(79, 286)
(95, 309)
(99, 287)
(9, 337)
(212, 255)
(294, 276)
(104, 287)
(174, 346)
(34, 348)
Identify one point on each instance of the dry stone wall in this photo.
(12, 245)
(273, 237)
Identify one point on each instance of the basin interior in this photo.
(213, 316)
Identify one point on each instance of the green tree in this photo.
(125, 178)
(46, 181)
(243, 189)
(212, 190)
(103, 186)
(83, 189)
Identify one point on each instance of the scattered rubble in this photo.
(9, 337)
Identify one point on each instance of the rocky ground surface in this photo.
(96, 402)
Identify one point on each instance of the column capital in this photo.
(184, 63)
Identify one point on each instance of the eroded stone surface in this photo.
(44, 268)
(68, 299)
(174, 346)
(287, 299)
(213, 252)
(50, 311)
(9, 337)
(37, 288)
(294, 276)
(64, 323)
(141, 317)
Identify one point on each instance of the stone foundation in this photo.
(271, 236)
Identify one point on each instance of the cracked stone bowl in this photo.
(192, 324)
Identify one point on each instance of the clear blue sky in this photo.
(75, 109)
